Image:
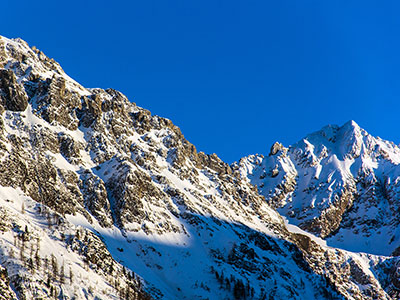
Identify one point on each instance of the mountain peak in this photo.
(351, 123)
(350, 126)
(345, 140)
(353, 127)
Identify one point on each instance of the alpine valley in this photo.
(99, 199)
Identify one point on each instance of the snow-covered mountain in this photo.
(340, 183)
(101, 200)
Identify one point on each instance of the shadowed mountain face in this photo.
(104, 200)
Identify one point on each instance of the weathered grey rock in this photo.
(55, 103)
(68, 147)
(275, 148)
(96, 198)
(12, 94)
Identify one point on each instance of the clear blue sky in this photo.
(236, 76)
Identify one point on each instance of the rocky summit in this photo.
(99, 199)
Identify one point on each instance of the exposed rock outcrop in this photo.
(12, 94)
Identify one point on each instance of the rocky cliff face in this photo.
(100, 199)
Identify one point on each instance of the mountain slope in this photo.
(125, 202)
(340, 183)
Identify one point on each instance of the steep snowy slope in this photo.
(109, 190)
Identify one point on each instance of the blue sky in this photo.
(236, 76)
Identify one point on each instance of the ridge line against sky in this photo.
(234, 76)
